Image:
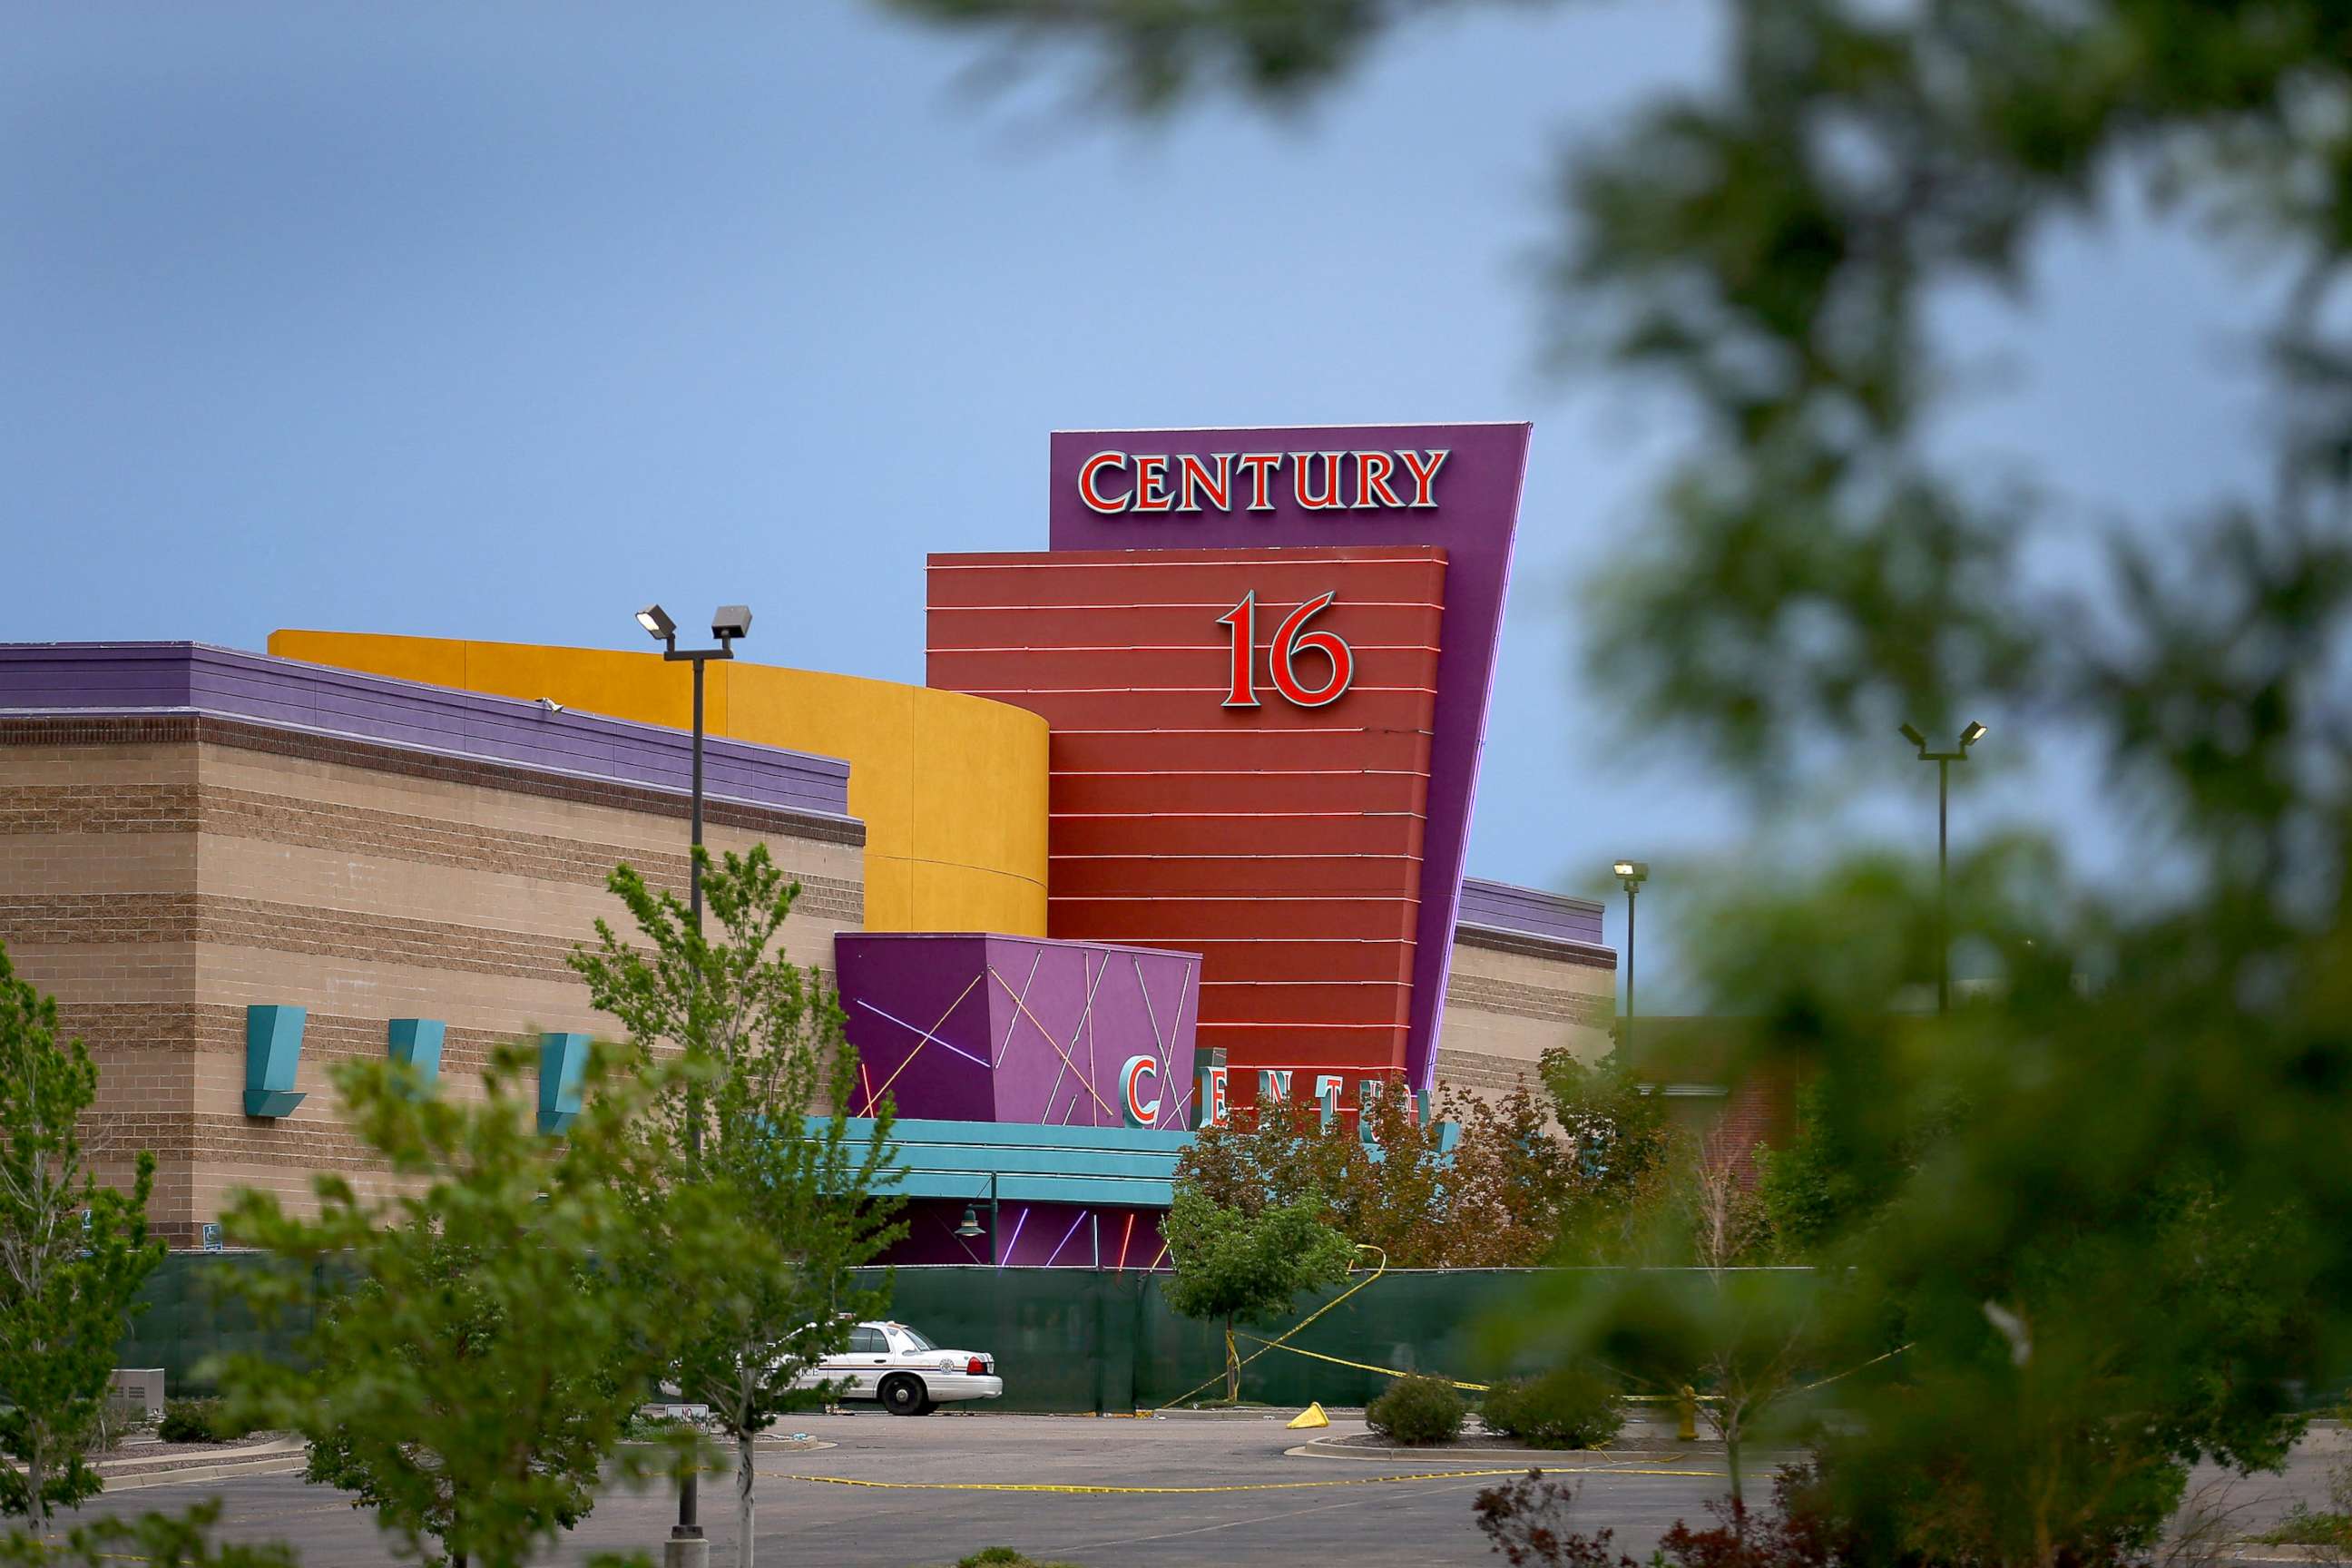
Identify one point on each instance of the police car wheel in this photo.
(905, 1395)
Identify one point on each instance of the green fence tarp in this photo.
(1065, 1340)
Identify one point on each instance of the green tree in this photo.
(484, 1331)
(72, 1255)
(1390, 1193)
(1496, 1196)
(1512, 1185)
(1831, 1181)
(1621, 1161)
(763, 1039)
(1236, 1267)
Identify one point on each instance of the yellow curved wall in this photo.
(952, 788)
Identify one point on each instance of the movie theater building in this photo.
(1176, 822)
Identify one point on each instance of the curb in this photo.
(1283, 1413)
(154, 1458)
(287, 1464)
(1537, 1457)
(1339, 1448)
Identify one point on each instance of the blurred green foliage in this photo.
(159, 1540)
(199, 1421)
(1155, 51)
(2100, 1208)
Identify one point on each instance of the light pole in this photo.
(1944, 761)
(1632, 873)
(727, 623)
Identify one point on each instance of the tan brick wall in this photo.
(158, 889)
(1482, 1075)
(1507, 1004)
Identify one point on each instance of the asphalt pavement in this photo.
(1218, 1491)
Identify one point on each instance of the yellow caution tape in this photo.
(1483, 1387)
(1359, 1365)
(1245, 1487)
(1849, 1372)
(1235, 1365)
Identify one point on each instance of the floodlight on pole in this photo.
(1632, 873)
(1969, 736)
(730, 621)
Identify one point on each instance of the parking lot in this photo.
(1228, 1494)
(1203, 1491)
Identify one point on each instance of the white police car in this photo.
(906, 1372)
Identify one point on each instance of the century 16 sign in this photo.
(1114, 481)
(1272, 762)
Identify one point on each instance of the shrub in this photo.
(1565, 1408)
(1417, 1410)
(198, 1421)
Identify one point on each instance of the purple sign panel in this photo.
(1453, 486)
(971, 1028)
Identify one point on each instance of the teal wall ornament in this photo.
(562, 1060)
(416, 1043)
(273, 1050)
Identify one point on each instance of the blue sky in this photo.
(499, 319)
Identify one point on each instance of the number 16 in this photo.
(1289, 638)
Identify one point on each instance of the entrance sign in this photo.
(1140, 1112)
(1115, 481)
(1289, 639)
(1459, 492)
(1211, 1104)
(1264, 658)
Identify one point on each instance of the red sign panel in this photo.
(1278, 837)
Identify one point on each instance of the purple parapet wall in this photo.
(974, 1027)
(1529, 911)
(1473, 518)
(181, 676)
(1039, 1235)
